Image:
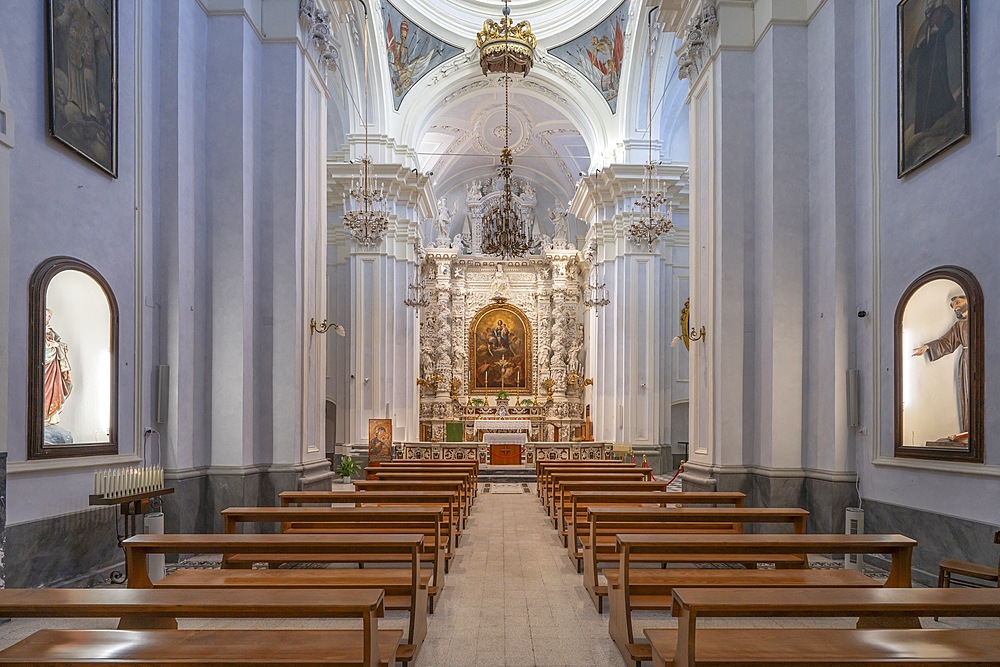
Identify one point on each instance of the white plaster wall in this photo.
(6, 144)
(65, 206)
(940, 214)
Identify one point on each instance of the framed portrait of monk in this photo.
(933, 78)
(72, 361)
(500, 350)
(939, 367)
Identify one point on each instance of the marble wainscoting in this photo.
(825, 499)
(937, 537)
(72, 549)
(200, 495)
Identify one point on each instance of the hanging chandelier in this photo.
(652, 212)
(366, 212)
(506, 48)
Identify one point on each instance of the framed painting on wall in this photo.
(73, 362)
(500, 350)
(379, 440)
(939, 367)
(83, 78)
(933, 78)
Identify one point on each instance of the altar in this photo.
(483, 427)
(505, 447)
(527, 453)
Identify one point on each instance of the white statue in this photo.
(499, 285)
(557, 216)
(443, 221)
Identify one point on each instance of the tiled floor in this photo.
(512, 598)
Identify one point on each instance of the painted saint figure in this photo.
(57, 381)
(933, 96)
(956, 339)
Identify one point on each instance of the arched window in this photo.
(73, 361)
(939, 367)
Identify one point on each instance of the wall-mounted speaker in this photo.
(854, 397)
(162, 393)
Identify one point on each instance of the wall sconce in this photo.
(688, 333)
(324, 326)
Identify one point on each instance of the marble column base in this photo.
(200, 495)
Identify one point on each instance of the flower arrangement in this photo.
(501, 394)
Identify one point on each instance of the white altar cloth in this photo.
(509, 438)
(502, 425)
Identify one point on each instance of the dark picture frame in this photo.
(932, 39)
(70, 355)
(82, 72)
(947, 333)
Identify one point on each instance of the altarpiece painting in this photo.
(500, 350)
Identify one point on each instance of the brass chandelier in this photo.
(366, 212)
(649, 220)
(508, 49)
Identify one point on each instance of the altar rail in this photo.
(480, 451)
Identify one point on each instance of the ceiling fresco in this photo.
(411, 51)
(598, 54)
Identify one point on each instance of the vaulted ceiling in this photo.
(451, 119)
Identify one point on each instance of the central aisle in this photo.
(512, 597)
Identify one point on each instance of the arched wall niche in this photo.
(939, 359)
(72, 361)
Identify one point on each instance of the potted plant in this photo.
(502, 397)
(346, 468)
(477, 401)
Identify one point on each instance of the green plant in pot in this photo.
(346, 468)
(477, 401)
(501, 394)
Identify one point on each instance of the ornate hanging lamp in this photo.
(366, 212)
(506, 48)
(652, 211)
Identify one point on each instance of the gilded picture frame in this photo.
(933, 79)
(500, 357)
(82, 74)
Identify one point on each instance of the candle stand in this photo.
(132, 507)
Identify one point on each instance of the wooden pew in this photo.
(474, 462)
(561, 508)
(350, 520)
(465, 477)
(545, 468)
(701, 548)
(580, 499)
(139, 547)
(605, 523)
(688, 646)
(471, 466)
(448, 501)
(553, 494)
(546, 484)
(456, 487)
(145, 615)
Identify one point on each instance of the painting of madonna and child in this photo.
(500, 350)
(939, 336)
